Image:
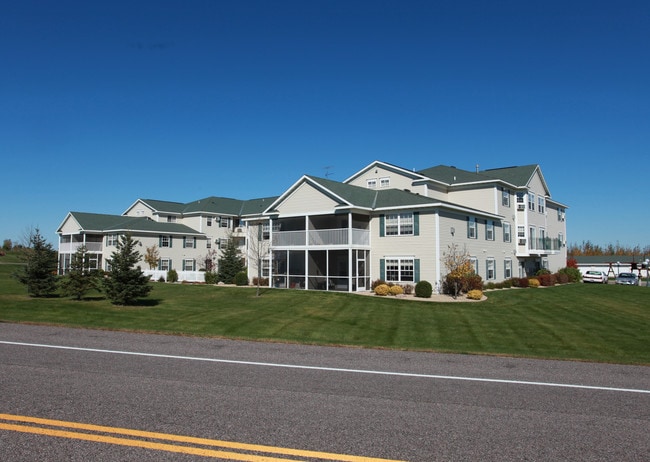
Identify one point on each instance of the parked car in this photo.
(595, 276)
(629, 279)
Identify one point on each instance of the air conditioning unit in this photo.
(522, 241)
(521, 207)
(239, 230)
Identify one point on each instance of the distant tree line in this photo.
(589, 249)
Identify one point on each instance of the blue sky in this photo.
(102, 103)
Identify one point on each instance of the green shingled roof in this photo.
(517, 176)
(119, 223)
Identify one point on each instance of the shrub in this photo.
(475, 294)
(542, 271)
(262, 282)
(377, 282)
(382, 289)
(241, 279)
(172, 275)
(574, 274)
(562, 278)
(408, 289)
(423, 289)
(547, 279)
(396, 290)
(472, 282)
(211, 277)
(161, 279)
(533, 282)
(522, 282)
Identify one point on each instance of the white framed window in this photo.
(112, 239)
(489, 230)
(545, 263)
(371, 183)
(473, 261)
(531, 201)
(165, 241)
(541, 204)
(171, 219)
(520, 197)
(532, 234)
(209, 221)
(471, 228)
(560, 238)
(507, 268)
(266, 231)
(384, 182)
(400, 269)
(164, 264)
(208, 243)
(505, 197)
(189, 264)
(560, 214)
(398, 224)
(225, 222)
(188, 242)
(266, 267)
(490, 269)
(223, 243)
(507, 233)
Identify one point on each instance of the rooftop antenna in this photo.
(327, 171)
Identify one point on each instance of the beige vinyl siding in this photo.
(139, 209)
(395, 180)
(70, 226)
(476, 197)
(305, 200)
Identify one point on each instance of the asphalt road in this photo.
(292, 402)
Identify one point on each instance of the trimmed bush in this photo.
(573, 274)
(377, 282)
(211, 277)
(262, 282)
(533, 282)
(562, 278)
(172, 276)
(475, 294)
(423, 289)
(396, 290)
(382, 289)
(522, 282)
(241, 279)
(547, 279)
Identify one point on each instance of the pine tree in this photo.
(125, 281)
(39, 273)
(79, 279)
(230, 262)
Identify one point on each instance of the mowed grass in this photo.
(604, 323)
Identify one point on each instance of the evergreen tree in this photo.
(230, 263)
(39, 273)
(79, 279)
(125, 281)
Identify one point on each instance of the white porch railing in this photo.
(71, 247)
(317, 237)
(188, 276)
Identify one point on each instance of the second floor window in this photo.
(489, 230)
(165, 241)
(111, 239)
(399, 224)
(471, 228)
(540, 204)
(506, 232)
(505, 198)
(189, 242)
(531, 202)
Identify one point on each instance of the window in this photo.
(560, 238)
(489, 230)
(225, 222)
(371, 183)
(520, 198)
(189, 242)
(208, 243)
(398, 224)
(532, 238)
(266, 266)
(266, 231)
(560, 214)
(506, 232)
(223, 243)
(473, 261)
(490, 266)
(165, 241)
(209, 221)
(111, 239)
(540, 204)
(400, 269)
(531, 202)
(505, 197)
(384, 182)
(189, 264)
(164, 264)
(171, 219)
(471, 228)
(507, 268)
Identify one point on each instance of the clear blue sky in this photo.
(102, 103)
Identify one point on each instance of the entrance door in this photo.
(361, 273)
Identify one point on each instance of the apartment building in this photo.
(382, 222)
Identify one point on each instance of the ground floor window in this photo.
(189, 264)
(400, 269)
(507, 268)
(164, 264)
(490, 273)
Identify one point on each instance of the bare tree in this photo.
(152, 256)
(258, 242)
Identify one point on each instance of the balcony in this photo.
(71, 247)
(321, 237)
(545, 245)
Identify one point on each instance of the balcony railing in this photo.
(321, 237)
(71, 247)
(545, 244)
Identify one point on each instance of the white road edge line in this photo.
(333, 369)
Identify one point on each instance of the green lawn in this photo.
(585, 322)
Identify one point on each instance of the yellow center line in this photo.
(169, 437)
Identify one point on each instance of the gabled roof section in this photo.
(163, 206)
(453, 176)
(101, 223)
(518, 176)
(256, 206)
(351, 195)
(213, 204)
(394, 168)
